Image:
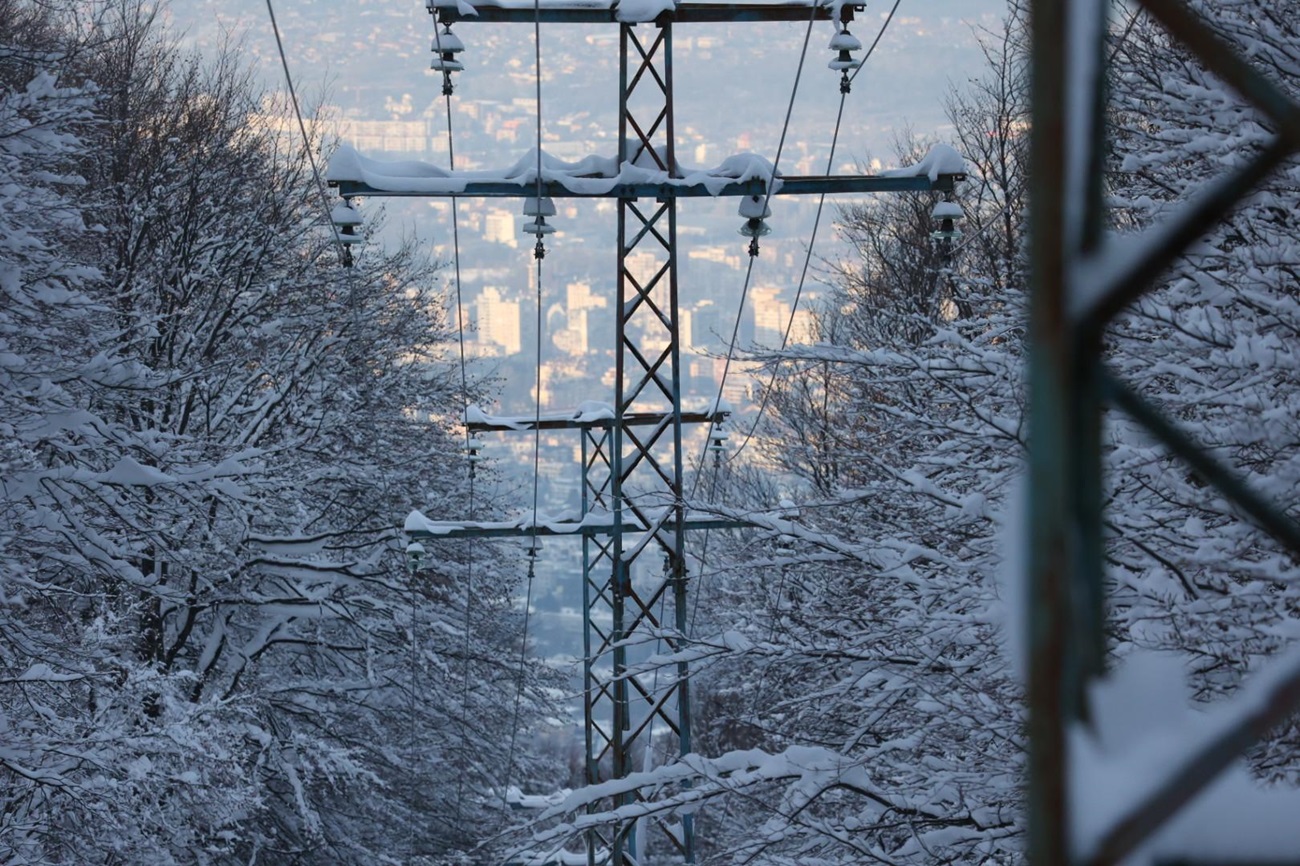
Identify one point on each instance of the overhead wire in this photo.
(989, 221)
(812, 239)
(538, 254)
(1128, 28)
(302, 128)
(470, 450)
(749, 270)
(412, 710)
(343, 254)
(803, 275)
(870, 50)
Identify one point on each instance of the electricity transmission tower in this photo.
(633, 502)
(1069, 386)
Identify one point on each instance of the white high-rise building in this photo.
(579, 296)
(497, 321)
(771, 315)
(499, 227)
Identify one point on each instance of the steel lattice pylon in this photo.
(634, 519)
(1069, 385)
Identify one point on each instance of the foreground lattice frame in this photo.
(1069, 384)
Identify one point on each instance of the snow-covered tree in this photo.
(213, 649)
(918, 421)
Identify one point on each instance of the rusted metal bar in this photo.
(1067, 384)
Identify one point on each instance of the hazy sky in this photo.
(371, 58)
(367, 54)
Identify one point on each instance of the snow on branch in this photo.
(804, 774)
(892, 563)
(1136, 789)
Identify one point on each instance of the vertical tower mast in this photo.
(647, 470)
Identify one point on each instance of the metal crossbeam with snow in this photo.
(862, 184)
(743, 174)
(627, 11)
(585, 416)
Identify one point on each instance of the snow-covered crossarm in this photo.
(633, 11)
(596, 523)
(941, 160)
(588, 414)
(594, 176)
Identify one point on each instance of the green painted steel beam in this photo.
(604, 13)
(1049, 531)
(1066, 643)
(799, 185)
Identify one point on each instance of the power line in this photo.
(302, 128)
(413, 710)
(753, 250)
(735, 331)
(822, 199)
(876, 41)
(803, 275)
(798, 294)
(812, 238)
(538, 254)
(470, 457)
